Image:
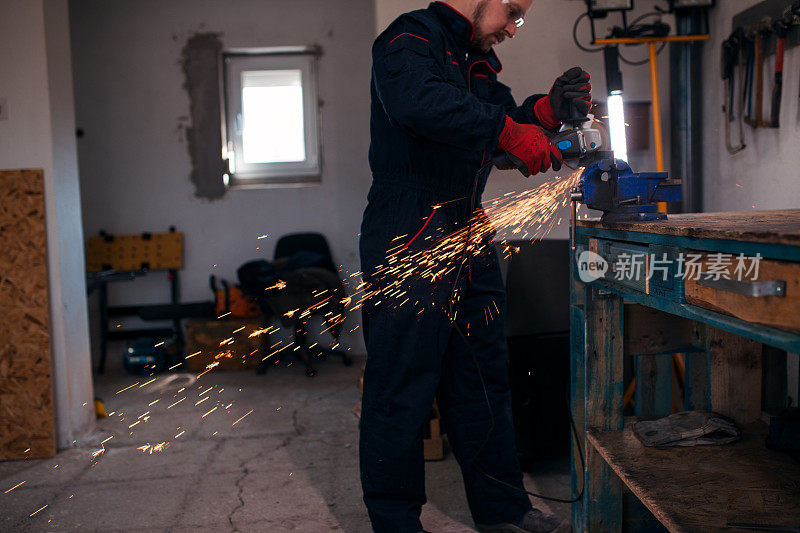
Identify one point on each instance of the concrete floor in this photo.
(290, 465)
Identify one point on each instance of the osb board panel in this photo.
(703, 488)
(778, 227)
(158, 251)
(776, 311)
(27, 421)
(226, 342)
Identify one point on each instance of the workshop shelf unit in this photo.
(728, 352)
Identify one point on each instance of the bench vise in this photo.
(609, 185)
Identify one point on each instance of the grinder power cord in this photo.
(451, 312)
(578, 143)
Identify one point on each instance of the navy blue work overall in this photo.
(437, 112)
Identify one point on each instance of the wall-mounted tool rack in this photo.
(772, 10)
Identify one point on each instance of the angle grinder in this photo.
(576, 139)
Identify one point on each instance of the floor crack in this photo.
(239, 489)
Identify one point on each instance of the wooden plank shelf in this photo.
(705, 487)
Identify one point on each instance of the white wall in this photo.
(134, 162)
(540, 52)
(40, 133)
(765, 174)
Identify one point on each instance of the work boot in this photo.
(532, 521)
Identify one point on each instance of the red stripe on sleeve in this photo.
(411, 34)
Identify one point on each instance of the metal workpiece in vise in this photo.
(609, 185)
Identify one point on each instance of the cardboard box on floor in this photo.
(227, 342)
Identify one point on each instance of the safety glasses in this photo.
(516, 15)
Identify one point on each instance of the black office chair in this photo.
(288, 245)
(304, 262)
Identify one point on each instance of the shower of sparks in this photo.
(126, 388)
(23, 482)
(176, 403)
(40, 509)
(280, 284)
(151, 448)
(242, 418)
(524, 215)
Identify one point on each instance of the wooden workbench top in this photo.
(776, 227)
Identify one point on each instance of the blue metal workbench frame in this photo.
(596, 335)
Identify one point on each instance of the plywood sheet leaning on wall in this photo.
(27, 424)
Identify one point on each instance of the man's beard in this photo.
(479, 39)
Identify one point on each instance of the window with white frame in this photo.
(270, 128)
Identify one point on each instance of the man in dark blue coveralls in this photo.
(438, 114)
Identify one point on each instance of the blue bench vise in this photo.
(609, 185)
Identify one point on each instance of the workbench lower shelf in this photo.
(703, 488)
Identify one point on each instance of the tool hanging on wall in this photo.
(748, 58)
(731, 51)
(769, 27)
(792, 16)
(780, 28)
(757, 34)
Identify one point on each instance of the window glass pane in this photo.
(272, 116)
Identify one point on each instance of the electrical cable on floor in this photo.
(453, 294)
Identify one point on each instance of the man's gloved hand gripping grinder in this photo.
(574, 142)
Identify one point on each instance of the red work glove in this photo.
(529, 144)
(571, 88)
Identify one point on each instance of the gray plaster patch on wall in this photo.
(200, 60)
